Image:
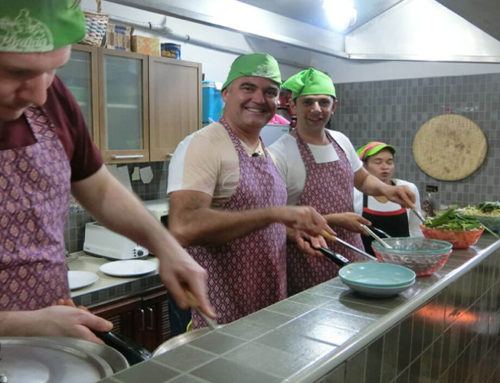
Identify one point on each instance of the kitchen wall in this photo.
(74, 232)
(393, 111)
(382, 100)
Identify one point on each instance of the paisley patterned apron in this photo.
(329, 189)
(34, 200)
(248, 273)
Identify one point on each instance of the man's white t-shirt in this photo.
(207, 161)
(291, 167)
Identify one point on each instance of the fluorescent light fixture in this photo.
(340, 13)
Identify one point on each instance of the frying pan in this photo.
(135, 353)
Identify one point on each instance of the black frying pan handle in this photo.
(336, 258)
(131, 350)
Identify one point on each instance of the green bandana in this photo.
(255, 64)
(310, 81)
(372, 148)
(39, 25)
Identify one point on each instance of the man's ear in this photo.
(293, 106)
(224, 93)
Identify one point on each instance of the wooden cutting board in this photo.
(449, 147)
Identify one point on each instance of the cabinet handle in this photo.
(128, 156)
(142, 320)
(151, 317)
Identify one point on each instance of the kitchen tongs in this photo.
(336, 258)
(331, 237)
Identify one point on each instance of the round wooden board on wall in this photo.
(449, 147)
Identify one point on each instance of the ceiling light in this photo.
(340, 13)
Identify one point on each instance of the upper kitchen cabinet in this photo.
(175, 104)
(79, 75)
(123, 106)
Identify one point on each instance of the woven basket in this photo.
(95, 24)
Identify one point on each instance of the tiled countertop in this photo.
(301, 338)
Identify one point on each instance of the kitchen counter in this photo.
(432, 331)
(108, 288)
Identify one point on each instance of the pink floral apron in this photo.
(329, 189)
(248, 273)
(34, 199)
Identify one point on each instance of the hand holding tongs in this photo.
(376, 237)
(331, 237)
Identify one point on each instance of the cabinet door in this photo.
(157, 326)
(81, 77)
(124, 106)
(126, 315)
(175, 104)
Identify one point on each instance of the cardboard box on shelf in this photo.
(146, 45)
(118, 37)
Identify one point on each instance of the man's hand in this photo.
(348, 220)
(54, 321)
(303, 218)
(308, 244)
(180, 272)
(401, 195)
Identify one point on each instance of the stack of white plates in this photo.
(377, 279)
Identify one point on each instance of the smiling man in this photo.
(227, 200)
(320, 168)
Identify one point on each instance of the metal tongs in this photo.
(419, 215)
(331, 237)
(193, 302)
(376, 237)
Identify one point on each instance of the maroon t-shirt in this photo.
(63, 111)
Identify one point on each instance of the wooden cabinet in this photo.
(141, 106)
(175, 104)
(142, 318)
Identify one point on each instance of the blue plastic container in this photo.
(212, 102)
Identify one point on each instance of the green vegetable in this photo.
(487, 207)
(453, 220)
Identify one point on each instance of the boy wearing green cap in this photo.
(227, 200)
(46, 152)
(392, 218)
(320, 168)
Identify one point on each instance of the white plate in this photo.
(128, 268)
(79, 279)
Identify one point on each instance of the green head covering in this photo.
(310, 81)
(255, 64)
(372, 148)
(39, 25)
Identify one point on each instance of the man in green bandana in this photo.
(321, 168)
(227, 200)
(46, 152)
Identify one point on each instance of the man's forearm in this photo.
(212, 227)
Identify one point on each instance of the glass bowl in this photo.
(424, 256)
(459, 239)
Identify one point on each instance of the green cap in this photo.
(310, 81)
(39, 25)
(372, 148)
(254, 64)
